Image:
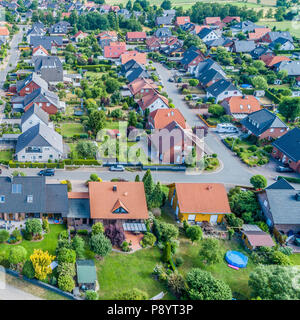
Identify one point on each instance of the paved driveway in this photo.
(12, 293)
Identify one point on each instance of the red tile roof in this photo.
(139, 57)
(160, 118)
(243, 104)
(147, 100)
(129, 195)
(229, 19)
(271, 60)
(202, 198)
(259, 239)
(182, 20)
(138, 84)
(136, 35)
(4, 31)
(258, 33)
(212, 20)
(78, 195)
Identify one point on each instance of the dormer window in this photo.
(16, 188)
(120, 210)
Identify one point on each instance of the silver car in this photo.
(117, 167)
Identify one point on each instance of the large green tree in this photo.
(210, 251)
(100, 244)
(97, 121)
(290, 108)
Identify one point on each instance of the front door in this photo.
(213, 218)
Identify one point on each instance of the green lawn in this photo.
(6, 155)
(69, 129)
(49, 242)
(118, 272)
(293, 27)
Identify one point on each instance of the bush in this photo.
(28, 270)
(66, 268)
(286, 250)
(4, 235)
(125, 246)
(281, 259)
(115, 234)
(17, 235)
(17, 255)
(176, 283)
(100, 244)
(78, 246)
(63, 235)
(97, 228)
(148, 240)
(91, 295)
(166, 257)
(66, 283)
(179, 261)
(45, 225)
(131, 294)
(66, 255)
(194, 233)
(27, 235)
(83, 232)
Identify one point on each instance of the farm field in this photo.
(294, 29)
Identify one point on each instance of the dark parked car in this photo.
(284, 169)
(117, 167)
(47, 172)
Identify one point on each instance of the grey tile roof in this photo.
(189, 56)
(163, 32)
(137, 73)
(39, 112)
(281, 184)
(46, 41)
(210, 75)
(32, 77)
(292, 67)
(244, 45)
(164, 20)
(280, 34)
(60, 28)
(284, 207)
(245, 26)
(289, 144)
(40, 136)
(262, 120)
(45, 199)
(220, 42)
(220, 86)
(50, 62)
(259, 51)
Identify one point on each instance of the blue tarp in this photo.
(236, 259)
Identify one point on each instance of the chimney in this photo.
(114, 188)
(209, 187)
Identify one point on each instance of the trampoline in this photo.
(236, 259)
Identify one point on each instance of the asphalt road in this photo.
(9, 292)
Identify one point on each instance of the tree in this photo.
(78, 246)
(156, 197)
(281, 259)
(210, 251)
(112, 85)
(177, 284)
(203, 286)
(97, 121)
(4, 235)
(97, 228)
(194, 233)
(193, 82)
(66, 283)
(115, 234)
(166, 257)
(259, 82)
(166, 5)
(216, 110)
(132, 119)
(41, 261)
(290, 108)
(148, 184)
(17, 255)
(33, 226)
(66, 255)
(131, 294)
(258, 181)
(86, 149)
(28, 270)
(273, 283)
(91, 295)
(148, 240)
(100, 244)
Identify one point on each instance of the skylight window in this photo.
(16, 188)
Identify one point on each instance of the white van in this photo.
(226, 128)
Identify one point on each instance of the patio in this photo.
(135, 240)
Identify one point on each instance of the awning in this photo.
(134, 227)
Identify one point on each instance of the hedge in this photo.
(290, 179)
(94, 67)
(58, 165)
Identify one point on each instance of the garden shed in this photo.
(86, 274)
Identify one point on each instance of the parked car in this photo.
(171, 80)
(47, 172)
(284, 169)
(195, 97)
(117, 167)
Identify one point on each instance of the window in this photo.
(2, 199)
(16, 188)
(120, 210)
(30, 198)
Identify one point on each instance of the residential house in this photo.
(254, 238)
(264, 125)
(4, 34)
(203, 66)
(244, 27)
(198, 202)
(240, 107)
(139, 57)
(136, 36)
(30, 83)
(161, 118)
(207, 34)
(142, 87)
(258, 33)
(49, 68)
(34, 116)
(152, 102)
(166, 20)
(46, 100)
(282, 44)
(219, 42)
(114, 50)
(210, 76)
(40, 51)
(133, 70)
(30, 197)
(260, 51)
(51, 44)
(221, 90)
(60, 29)
(122, 203)
(153, 44)
(163, 33)
(291, 67)
(191, 58)
(79, 36)
(125, 13)
(39, 144)
(172, 47)
(182, 20)
(243, 46)
(270, 60)
(38, 29)
(105, 38)
(228, 20)
(280, 203)
(273, 35)
(212, 20)
(287, 149)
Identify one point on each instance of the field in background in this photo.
(294, 29)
